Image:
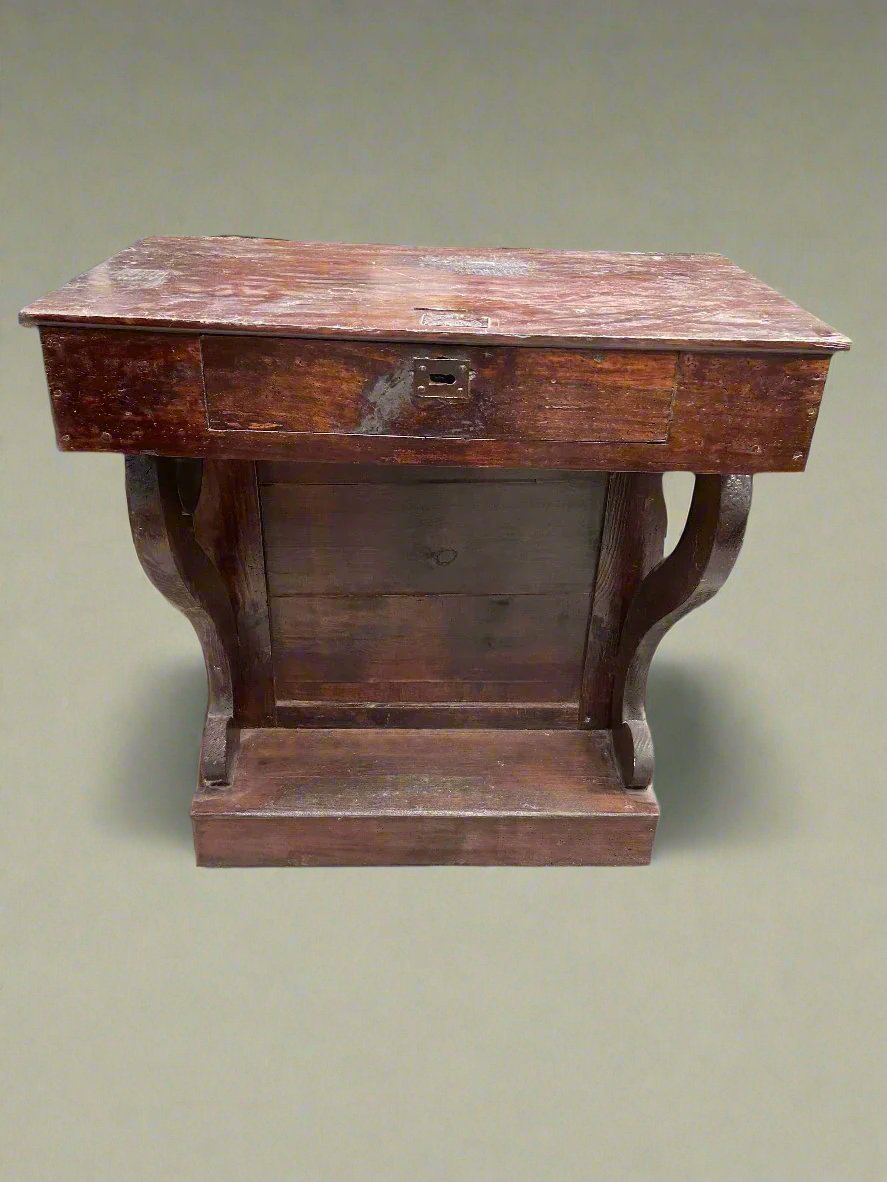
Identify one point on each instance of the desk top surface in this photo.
(593, 299)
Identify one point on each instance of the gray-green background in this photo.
(714, 1017)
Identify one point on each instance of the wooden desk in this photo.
(411, 501)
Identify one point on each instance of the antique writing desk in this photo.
(411, 501)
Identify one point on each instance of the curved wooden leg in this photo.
(632, 542)
(162, 495)
(697, 567)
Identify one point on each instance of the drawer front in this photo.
(434, 391)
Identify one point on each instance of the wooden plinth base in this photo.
(424, 797)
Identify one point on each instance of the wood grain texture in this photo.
(632, 541)
(429, 648)
(428, 608)
(428, 591)
(591, 299)
(687, 578)
(163, 534)
(521, 715)
(363, 388)
(435, 537)
(138, 391)
(307, 472)
(228, 526)
(126, 392)
(732, 412)
(368, 797)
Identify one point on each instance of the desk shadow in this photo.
(721, 777)
(157, 773)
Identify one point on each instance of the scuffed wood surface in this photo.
(429, 588)
(160, 512)
(228, 526)
(593, 299)
(432, 715)
(367, 389)
(424, 797)
(633, 536)
(139, 391)
(688, 577)
(432, 536)
(376, 624)
(429, 648)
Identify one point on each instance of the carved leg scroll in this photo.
(162, 495)
(632, 542)
(690, 575)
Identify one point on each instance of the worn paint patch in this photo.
(444, 318)
(396, 794)
(485, 264)
(385, 401)
(444, 557)
(138, 277)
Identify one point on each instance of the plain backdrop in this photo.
(717, 1016)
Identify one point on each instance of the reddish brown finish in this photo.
(162, 523)
(412, 715)
(420, 589)
(428, 606)
(467, 798)
(126, 392)
(429, 648)
(138, 391)
(371, 389)
(696, 568)
(423, 534)
(284, 472)
(632, 543)
(403, 799)
(228, 526)
(744, 414)
(390, 293)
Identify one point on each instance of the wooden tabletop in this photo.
(497, 296)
